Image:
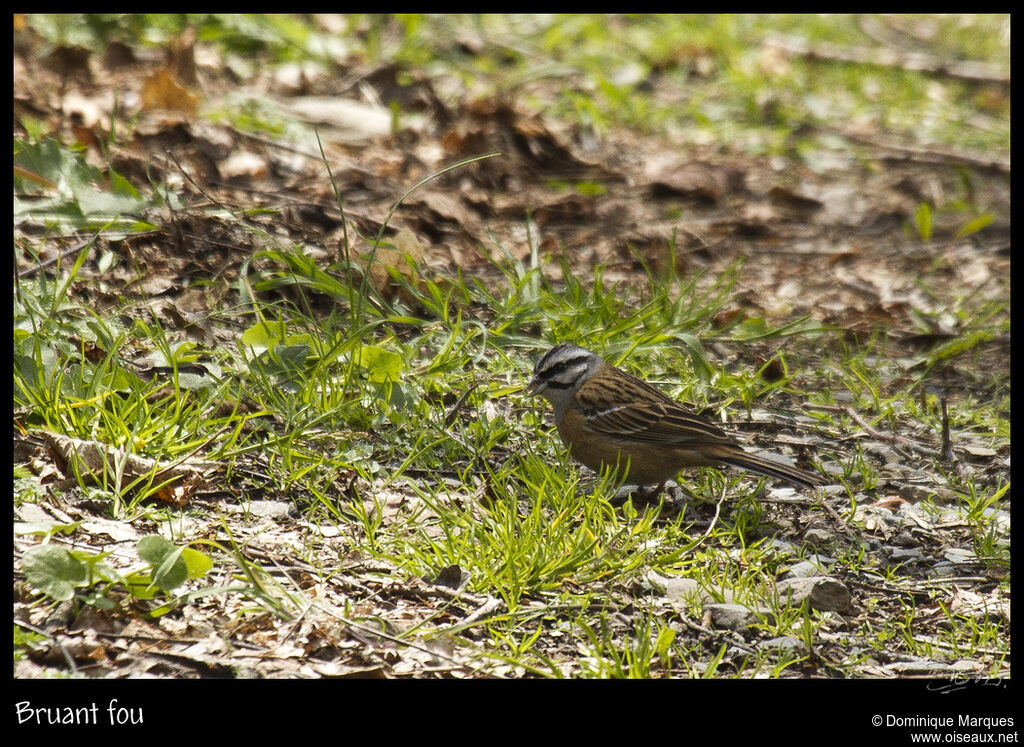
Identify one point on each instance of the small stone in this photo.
(735, 616)
(678, 589)
(942, 569)
(918, 493)
(886, 453)
(803, 569)
(785, 644)
(943, 496)
(824, 593)
(904, 539)
(905, 555)
(781, 546)
(960, 555)
(816, 537)
(836, 471)
(268, 509)
(682, 589)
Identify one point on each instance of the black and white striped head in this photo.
(561, 370)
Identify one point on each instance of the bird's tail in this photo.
(771, 468)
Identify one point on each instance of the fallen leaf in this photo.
(404, 256)
(349, 120)
(162, 91)
(893, 504)
(93, 459)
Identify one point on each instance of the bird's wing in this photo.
(628, 408)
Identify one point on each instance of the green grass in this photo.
(454, 435)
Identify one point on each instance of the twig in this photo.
(345, 163)
(740, 644)
(934, 641)
(943, 156)
(59, 256)
(68, 658)
(491, 605)
(402, 642)
(888, 437)
(453, 412)
(970, 70)
(926, 582)
(714, 520)
(918, 585)
(947, 444)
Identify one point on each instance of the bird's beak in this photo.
(535, 387)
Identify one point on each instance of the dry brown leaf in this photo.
(182, 57)
(404, 255)
(668, 175)
(893, 504)
(156, 285)
(162, 91)
(801, 198)
(92, 459)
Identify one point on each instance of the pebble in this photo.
(785, 644)
(806, 568)
(904, 554)
(904, 539)
(685, 590)
(942, 569)
(781, 546)
(824, 593)
(736, 616)
(917, 493)
(268, 509)
(817, 537)
(960, 555)
(837, 472)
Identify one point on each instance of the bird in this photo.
(609, 418)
